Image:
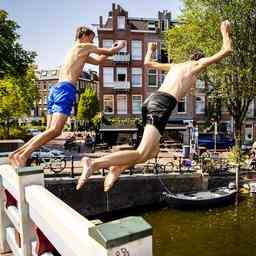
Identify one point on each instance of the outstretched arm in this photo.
(149, 63)
(225, 50)
(96, 60)
(108, 52)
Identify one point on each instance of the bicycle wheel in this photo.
(169, 167)
(57, 165)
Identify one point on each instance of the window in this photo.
(152, 78)
(54, 72)
(200, 84)
(249, 132)
(136, 77)
(45, 100)
(250, 111)
(200, 104)
(44, 73)
(108, 77)
(107, 43)
(108, 104)
(121, 74)
(136, 104)
(182, 105)
(136, 50)
(154, 55)
(121, 104)
(151, 25)
(121, 22)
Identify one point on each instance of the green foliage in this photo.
(88, 105)
(235, 156)
(18, 89)
(17, 95)
(14, 59)
(234, 79)
(125, 122)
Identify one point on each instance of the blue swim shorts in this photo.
(61, 98)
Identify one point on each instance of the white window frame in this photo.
(109, 82)
(125, 104)
(121, 70)
(137, 72)
(136, 46)
(156, 75)
(250, 111)
(200, 84)
(200, 95)
(112, 96)
(107, 43)
(247, 131)
(121, 22)
(185, 105)
(136, 112)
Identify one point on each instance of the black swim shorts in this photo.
(157, 109)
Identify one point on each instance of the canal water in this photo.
(224, 231)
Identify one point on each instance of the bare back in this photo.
(179, 80)
(74, 62)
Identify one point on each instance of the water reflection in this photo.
(224, 231)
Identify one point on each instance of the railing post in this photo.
(15, 224)
(4, 220)
(72, 167)
(127, 236)
(27, 176)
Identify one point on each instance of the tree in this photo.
(17, 96)
(14, 59)
(234, 79)
(88, 105)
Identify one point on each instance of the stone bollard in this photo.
(127, 236)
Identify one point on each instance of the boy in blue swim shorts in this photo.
(61, 98)
(62, 95)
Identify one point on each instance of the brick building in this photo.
(124, 82)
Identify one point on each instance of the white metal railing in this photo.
(125, 85)
(29, 206)
(122, 57)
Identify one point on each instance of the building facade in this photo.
(124, 82)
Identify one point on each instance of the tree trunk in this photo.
(238, 138)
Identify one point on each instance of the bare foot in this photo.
(87, 172)
(112, 177)
(11, 159)
(20, 161)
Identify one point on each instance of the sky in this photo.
(48, 27)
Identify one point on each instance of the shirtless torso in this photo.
(179, 80)
(74, 62)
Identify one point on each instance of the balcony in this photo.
(122, 86)
(122, 57)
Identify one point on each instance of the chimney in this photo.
(113, 6)
(101, 22)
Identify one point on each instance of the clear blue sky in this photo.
(48, 27)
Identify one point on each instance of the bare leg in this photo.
(57, 123)
(115, 171)
(113, 175)
(22, 148)
(150, 140)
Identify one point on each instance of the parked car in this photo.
(53, 159)
(45, 152)
(222, 141)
